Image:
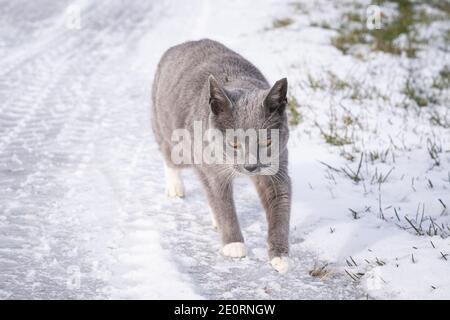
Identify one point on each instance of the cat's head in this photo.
(238, 113)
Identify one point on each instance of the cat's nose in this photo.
(250, 167)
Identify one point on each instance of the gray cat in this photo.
(205, 81)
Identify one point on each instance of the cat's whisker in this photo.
(227, 173)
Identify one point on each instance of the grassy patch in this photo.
(322, 24)
(299, 7)
(282, 23)
(347, 39)
(353, 30)
(416, 94)
(294, 113)
(334, 139)
(384, 38)
(441, 5)
(423, 94)
(353, 17)
(447, 37)
(442, 80)
(348, 88)
(336, 83)
(334, 136)
(340, 127)
(434, 149)
(320, 271)
(314, 83)
(440, 120)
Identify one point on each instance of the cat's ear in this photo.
(276, 99)
(218, 100)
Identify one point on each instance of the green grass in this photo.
(351, 88)
(414, 93)
(442, 80)
(401, 25)
(347, 39)
(282, 22)
(333, 136)
(353, 17)
(353, 30)
(294, 113)
(315, 84)
(424, 95)
(443, 6)
(322, 24)
(337, 84)
(299, 7)
(335, 140)
(439, 120)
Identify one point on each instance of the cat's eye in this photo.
(235, 144)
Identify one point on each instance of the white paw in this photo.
(234, 250)
(174, 184)
(281, 264)
(175, 190)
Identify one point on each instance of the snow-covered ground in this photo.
(82, 207)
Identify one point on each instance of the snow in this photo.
(83, 212)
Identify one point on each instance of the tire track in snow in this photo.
(40, 241)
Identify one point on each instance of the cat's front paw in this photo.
(234, 250)
(175, 190)
(280, 264)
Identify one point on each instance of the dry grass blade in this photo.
(414, 227)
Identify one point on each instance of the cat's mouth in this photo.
(254, 170)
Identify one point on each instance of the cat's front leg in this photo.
(275, 195)
(219, 192)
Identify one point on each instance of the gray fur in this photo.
(236, 96)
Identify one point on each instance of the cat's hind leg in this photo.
(174, 182)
